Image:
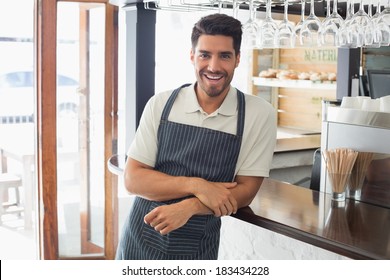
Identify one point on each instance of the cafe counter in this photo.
(308, 224)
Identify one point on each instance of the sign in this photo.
(321, 55)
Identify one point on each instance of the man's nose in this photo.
(214, 64)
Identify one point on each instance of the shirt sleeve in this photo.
(144, 145)
(259, 140)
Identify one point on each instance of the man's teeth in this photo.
(213, 77)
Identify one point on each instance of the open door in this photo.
(77, 193)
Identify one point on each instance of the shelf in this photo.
(294, 83)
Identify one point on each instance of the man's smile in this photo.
(213, 77)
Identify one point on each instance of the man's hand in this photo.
(217, 196)
(167, 218)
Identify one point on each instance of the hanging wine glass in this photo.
(362, 27)
(267, 29)
(298, 27)
(285, 36)
(385, 14)
(383, 27)
(327, 10)
(220, 6)
(377, 32)
(384, 24)
(236, 7)
(250, 28)
(310, 31)
(345, 38)
(331, 26)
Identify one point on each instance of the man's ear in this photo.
(192, 55)
(238, 59)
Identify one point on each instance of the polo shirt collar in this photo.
(227, 108)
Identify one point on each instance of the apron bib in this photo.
(184, 150)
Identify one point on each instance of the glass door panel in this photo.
(18, 223)
(80, 128)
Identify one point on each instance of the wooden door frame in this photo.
(45, 39)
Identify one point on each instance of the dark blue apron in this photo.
(184, 150)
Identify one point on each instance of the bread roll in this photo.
(332, 77)
(304, 76)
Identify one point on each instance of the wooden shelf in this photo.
(293, 83)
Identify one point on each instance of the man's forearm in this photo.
(197, 207)
(146, 182)
(247, 187)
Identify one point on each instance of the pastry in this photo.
(267, 74)
(332, 76)
(304, 76)
(315, 77)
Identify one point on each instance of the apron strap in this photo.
(241, 113)
(169, 104)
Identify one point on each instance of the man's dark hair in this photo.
(218, 24)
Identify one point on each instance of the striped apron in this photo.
(184, 150)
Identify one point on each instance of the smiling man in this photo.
(214, 64)
(200, 152)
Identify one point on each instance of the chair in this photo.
(8, 182)
(316, 171)
(314, 180)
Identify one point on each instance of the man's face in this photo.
(214, 60)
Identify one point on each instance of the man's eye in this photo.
(203, 55)
(225, 56)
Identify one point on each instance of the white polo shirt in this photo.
(259, 136)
